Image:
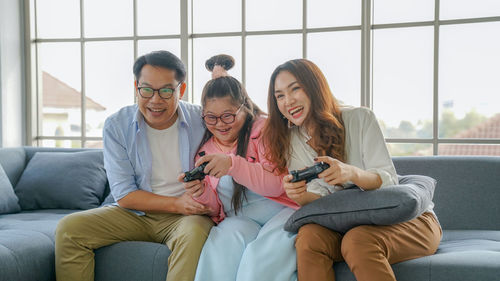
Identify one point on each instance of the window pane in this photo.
(410, 149)
(264, 54)
(273, 15)
(469, 99)
(93, 144)
(102, 18)
(58, 18)
(457, 9)
(338, 55)
(204, 48)
(403, 81)
(396, 11)
(328, 13)
(109, 81)
(469, 149)
(207, 16)
(62, 143)
(171, 45)
(60, 76)
(158, 17)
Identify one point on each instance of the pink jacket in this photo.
(256, 173)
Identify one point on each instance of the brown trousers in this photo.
(368, 250)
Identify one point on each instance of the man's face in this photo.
(159, 113)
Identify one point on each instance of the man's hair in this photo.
(164, 59)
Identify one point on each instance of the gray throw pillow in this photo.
(8, 200)
(343, 210)
(62, 180)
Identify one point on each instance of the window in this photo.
(427, 68)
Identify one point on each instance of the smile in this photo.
(296, 110)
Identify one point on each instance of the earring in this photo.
(290, 124)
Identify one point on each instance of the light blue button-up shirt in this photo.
(127, 155)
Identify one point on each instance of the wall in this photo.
(12, 110)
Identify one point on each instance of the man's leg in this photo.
(184, 236)
(317, 249)
(78, 234)
(370, 250)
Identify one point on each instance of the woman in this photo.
(307, 125)
(241, 188)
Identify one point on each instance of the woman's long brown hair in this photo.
(324, 120)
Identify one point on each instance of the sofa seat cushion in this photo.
(26, 255)
(42, 221)
(132, 260)
(463, 255)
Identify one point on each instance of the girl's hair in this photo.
(324, 120)
(225, 86)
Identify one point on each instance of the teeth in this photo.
(296, 110)
(156, 110)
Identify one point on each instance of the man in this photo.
(146, 147)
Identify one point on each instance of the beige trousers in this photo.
(78, 234)
(368, 250)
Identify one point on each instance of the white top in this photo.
(365, 148)
(164, 145)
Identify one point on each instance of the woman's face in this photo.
(291, 98)
(221, 112)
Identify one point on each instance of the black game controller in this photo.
(196, 173)
(309, 173)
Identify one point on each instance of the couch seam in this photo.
(15, 258)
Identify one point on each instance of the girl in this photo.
(306, 124)
(241, 188)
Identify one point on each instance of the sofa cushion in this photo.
(62, 180)
(8, 200)
(348, 208)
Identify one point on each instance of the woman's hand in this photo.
(338, 173)
(218, 166)
(194, 188)
(294, 190)
(297, 191)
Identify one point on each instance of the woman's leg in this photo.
(370, 250)
(221, 254)
(317, 249)
(271, 256)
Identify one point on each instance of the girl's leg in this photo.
(317, 249)
(221, 254)
(370, 250)
(271, 256)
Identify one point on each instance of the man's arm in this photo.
(153, 203)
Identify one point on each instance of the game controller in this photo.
(196, 173)
(309, 173)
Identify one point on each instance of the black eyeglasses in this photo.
(226, 118)
(164, 93)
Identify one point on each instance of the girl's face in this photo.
(291, 98)
(224, 119)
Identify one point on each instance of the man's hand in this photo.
(338, 173)
(218, 166)
(186, 205)
(194, 188)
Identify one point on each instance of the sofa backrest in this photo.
(13, 161)
(467, 193)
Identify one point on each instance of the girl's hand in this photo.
(218, 166)
(294, 190)
(338, 173)
(194, 188)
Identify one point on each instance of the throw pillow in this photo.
(8, 200)
(343, 210)
(62, 180)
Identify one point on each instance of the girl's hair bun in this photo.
(226, 61)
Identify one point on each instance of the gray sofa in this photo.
(466, 198)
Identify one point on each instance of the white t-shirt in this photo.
(164, 145)
(365, 148)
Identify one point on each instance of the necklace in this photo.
(224, 148)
